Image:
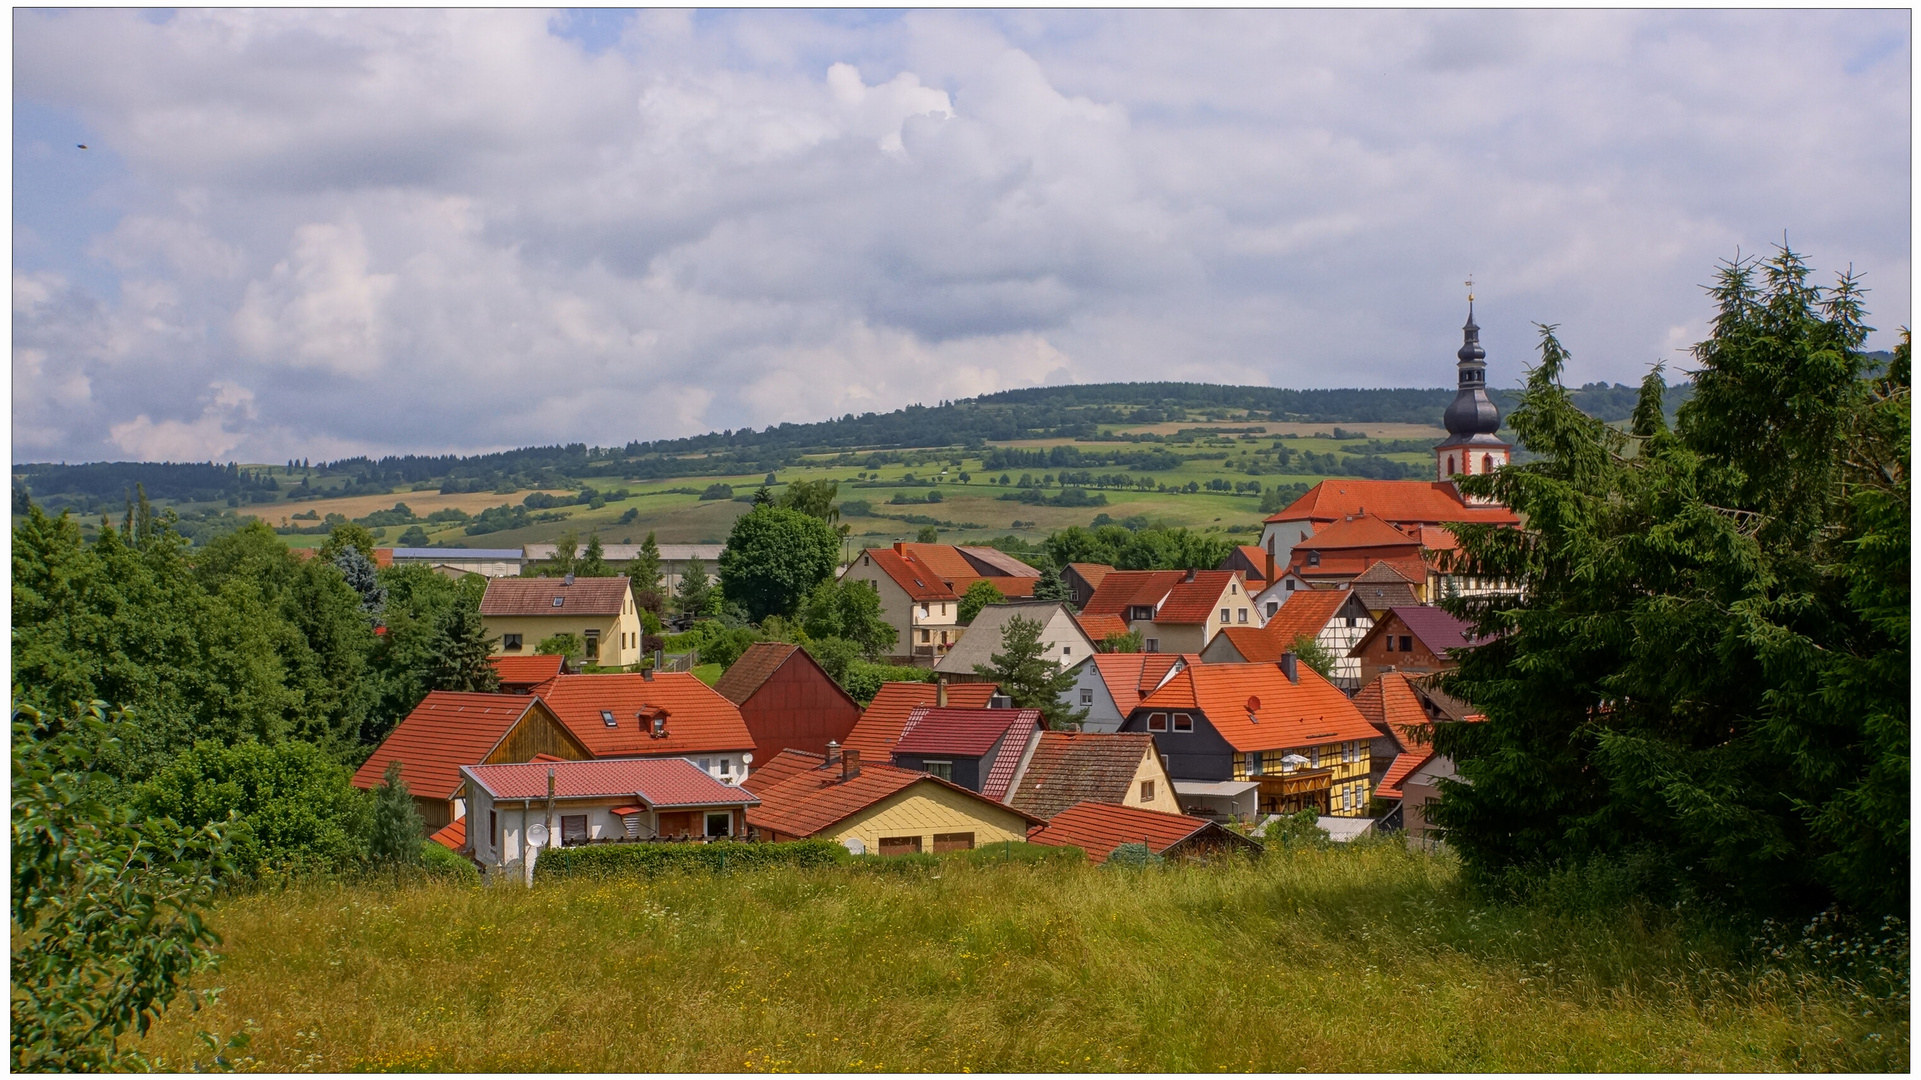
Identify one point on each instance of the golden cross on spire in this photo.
(1470, 288)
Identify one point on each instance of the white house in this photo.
(1062, 639)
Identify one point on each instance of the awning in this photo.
(1220, 789)
(623, 811)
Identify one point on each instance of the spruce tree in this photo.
(695, 593)
(1051, 587)
(594, 562)
(461, 649)
(644, 571)
(1033, 682)
(397, 827)
(361, 573)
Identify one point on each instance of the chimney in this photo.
(940, 692)
(849, 764)
(569, 579)
(1190, 575)
(900, 547)
(1288, 667)
(1270, 563)
(833, 751)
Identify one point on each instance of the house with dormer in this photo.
(519, 613)
(1175, 610)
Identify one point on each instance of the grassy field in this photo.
(1343, 960)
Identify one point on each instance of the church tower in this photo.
(1471, 447)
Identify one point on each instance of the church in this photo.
(1416, 507)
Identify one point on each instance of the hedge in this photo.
(629, 860)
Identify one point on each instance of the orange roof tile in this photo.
(1255, 707)
(699, 720)
(1403, 767)
(1091, 572)
(1403, 501)
(1302, 613)
(755, 666)
(1359, 531)
(526, 670)
(1099, 828)
(1098, 627)
(453, 835)
(1131, 676)
(442, 733)
(1175, 597)
(879, 727)
(536, 596)
(1256, 557)
(801, 796)
(1390, 704)
(916, 578)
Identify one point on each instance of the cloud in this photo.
(445, 230)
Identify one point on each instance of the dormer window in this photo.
(559, 600)
(1313, 558)
(1157, 721)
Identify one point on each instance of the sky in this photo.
(322, 233)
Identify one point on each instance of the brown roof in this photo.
(754, 668)
(1091, 572)
(536, 596)
(445, 731)
(1070, 767)
(1099, 828)
(800, 795)
(993, 562)
(1387, 572)
(879, 727)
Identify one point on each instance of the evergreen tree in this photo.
(644, 571)
(363, 577)
(695, 593)
(461, 649)
(566, 555)
(1707, 671)
(397, 825)
(594, 562)
(1051, 587)
(1032, 681)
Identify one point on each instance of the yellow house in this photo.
(522, 612)
(872, 808)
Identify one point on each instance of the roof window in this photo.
(559, 600)
(607, 717)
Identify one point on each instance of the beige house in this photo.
(920, 587)
(1176, 611)
(1062, 768)
(522, 612)
(872, 808)
(1062, 639)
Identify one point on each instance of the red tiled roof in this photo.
(753, 669)
(1403, 767)
(1091, 572)
(1303, 613)
(1256, 557)
(880, 725)
(1008, 760)
(526, 670)
(1359, 531)
(1389, 703)
(1098, 627)
(1070, 767)
(453, 835)
(916, 578)
(1388, 572)
(657, 782)
(442, 733)
(1099, 828)
(798, 797)
(698, 721)
(1285, 714)
(1175, 598)
(536, 596)
(1130, 676)
(964, 732)
(1405, 501)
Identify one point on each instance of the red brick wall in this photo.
(1375, 658)
(799, 708)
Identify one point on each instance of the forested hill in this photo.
(1074, 411)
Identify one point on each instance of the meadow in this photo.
(1344, 959)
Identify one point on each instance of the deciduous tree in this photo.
(774, 558)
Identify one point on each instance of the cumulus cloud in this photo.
(433, 230)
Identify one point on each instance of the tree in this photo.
(1052, 587)
(566, 551)
(1033, 682)
(1309, 650)
(1706, 672)
(928, 535)
(291, 808)
(363, 577)
(461, 650)
(345, 536)
(1128, 641)
(397, 825)
(695, 594)
(848, 610)
(564, 645)
(643, 573)
(415, 537)
(815, 498)
(594, 562)
(978, 595)
(774, 558)
(107, 923)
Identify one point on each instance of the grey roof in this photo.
(708, 553)
(436, 554)
(983, 637)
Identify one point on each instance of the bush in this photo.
(296, 810)
(647, 859)
(440, 862)
(717, 491)
(1019, 851)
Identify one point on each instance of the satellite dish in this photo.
(537, 834)
(854, 845)
(1295, 760)
(747, 759)
(1253, 704)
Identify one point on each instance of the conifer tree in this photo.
(594, 562)
(397, 825)
(1033, 682)
(461, 649)
(695, 593)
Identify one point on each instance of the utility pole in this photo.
(526, 845)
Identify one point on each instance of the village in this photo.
(1191, 720)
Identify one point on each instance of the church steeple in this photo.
(1471, 418)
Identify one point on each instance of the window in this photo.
(1252, 763)
(1390, 643)
(1152, 644)
(1313, 558)
(493, 827)
(559, 600)
(943, 770)
(721, 824)
(1183, 722)
(1450, 464)
(1233, 588)
(573, 829)
(1157, 721)
(607, 717)
(1289, 588)
(1067, 650)
(953, 841)
(1347, 798)
(1275, 605)
(510, 643)
(1087, 697)
(926, 636)
(923, 609)
(726, 766)
(899, 845)
(1226, 615)
(1407, 643)
(1147, 791)
(1242, 612)
(593, 645)
(706, 765)
(1487, 463)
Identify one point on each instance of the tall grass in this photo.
(1371, 959)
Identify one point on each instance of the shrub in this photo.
(647, 859)
(296, 809)
(1019, 851)
(717, 491)
(439, 862)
